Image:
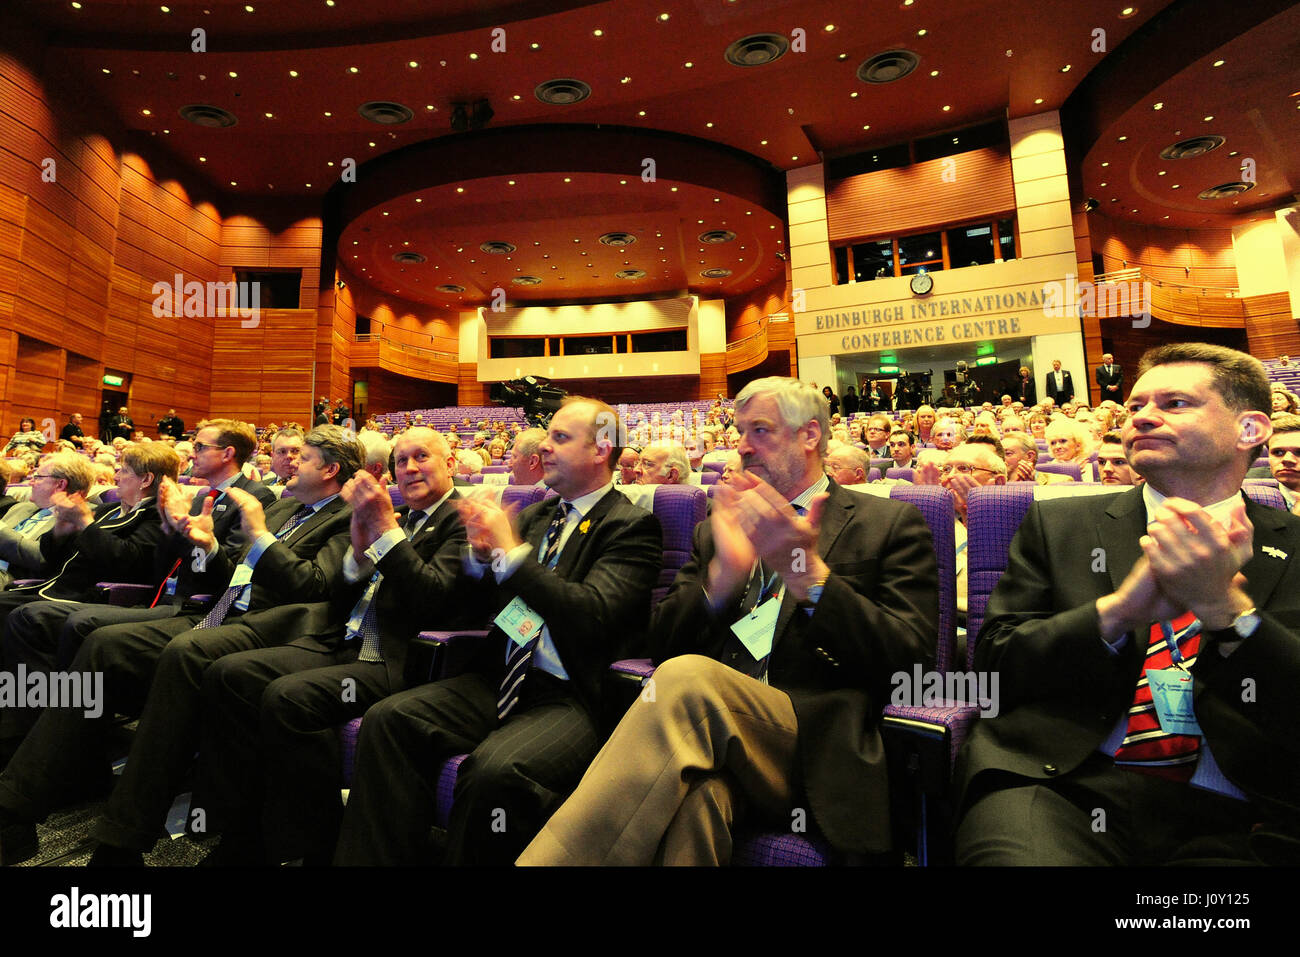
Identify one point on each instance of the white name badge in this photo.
(1171, 693)
(520, 622)
(757, 629)
(243, 576)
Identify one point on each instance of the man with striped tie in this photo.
(572, 579)
(1148, 646)
(295, 551)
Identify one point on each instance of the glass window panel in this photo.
(970, 245)
(873, 260)
(1007, 238)
(923, 248)
(841, 265)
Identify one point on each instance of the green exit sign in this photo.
(987, 361)
(113, 380)
(887, 369)
(987, 349)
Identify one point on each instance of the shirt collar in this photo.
(317, 506)
(803, 498)
(1221, 512)
(411, 515)
(222, 486)
(583, 503)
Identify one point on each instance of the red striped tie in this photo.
(1146, 747)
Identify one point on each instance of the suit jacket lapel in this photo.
(581, 535)
(1272, 549)
(1125, 524)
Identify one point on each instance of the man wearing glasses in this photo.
(977, 461)
(23, 525)
(877, 436)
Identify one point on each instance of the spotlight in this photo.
(341, 285)
(1090, 204)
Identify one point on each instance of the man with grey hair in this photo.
(378, 450)
(1021, 456)
(286, 446)
(526, 460)
(830, 592)
(847, 465)
(23, 525)
(663, 463)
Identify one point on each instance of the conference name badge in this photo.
(757, 629)
(1171, 693)
(520, 622)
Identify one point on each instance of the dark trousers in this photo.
(169, 729)
(65, 748)
(517, 773)
(46, 636)
(270, 759)
(1100, 815)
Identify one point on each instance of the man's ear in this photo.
(1253, 428)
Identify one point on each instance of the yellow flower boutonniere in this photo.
(586, 524)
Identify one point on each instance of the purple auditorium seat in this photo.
(476, 479)
(709, 477)
(395, 493)
(907, 475)
(1062, 468)
(714, 467)
(1260, 463)
(1262, 494)
(679, 509)
(873, 475)
(882, 465)
(521, 496)
(495, 469)
(110, 496)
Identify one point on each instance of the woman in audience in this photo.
(832, 399)
(27, 437)
(1038, 426)
(1284, 401)
(1068, 441)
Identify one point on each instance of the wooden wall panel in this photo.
(391, 392)
(1270, 328)
(894, 201)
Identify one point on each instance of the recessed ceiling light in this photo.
(842, 56)
(203, 159)
(762, 142)
(866, 126)
(372, 145)
(385, 212)
(535, 46)
(1128, 11)
(1037, 101)
(921, 33)
(413, 64)
(165, 9)
(1122, 138)
(688, 64)
(1208, 118)
(233, 183)
(1104, 165)
(1066, 68)
(829, 28)
(568, 180)
(1158, 106)
(293, 72)
(947, 108)
(353, 69)
(853, 95)
(76, 5)
(1219, 62)
(934, 72)
(270, 116)
(640, 112)
(1175, 186)
(663, 17)
(473, 56)
(1102, 185)
(430, 107)
(329, 3)
(147, 112)
(598, 32)
(516, 97)
(248, 8)
(105, 70)
(1162, 172)
(418, 200)
(709, 125)
(234, 75)
(510, 182)
(309, 185)
(460, 189)
(328, 113)
(794, 159)
(626, 79)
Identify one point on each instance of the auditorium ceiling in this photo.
(655, 84)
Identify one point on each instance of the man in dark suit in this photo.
(575, 582)
(830, 592)
(46, 634)
(298, 561)
(1060, 385)
(120, 426)
(1110, 379)
(1180, 580)
(171, 426)
(270, 745)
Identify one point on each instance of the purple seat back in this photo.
(110, 496)
(1062, 468)
(907, 475)
(993, 514)
(873, 475)
(937, 509)
(679, 509)
(476, 479)
(521, 496)
(714, 467)
(395, 494)
(495, 469)
(1262, 494)
(709, 477)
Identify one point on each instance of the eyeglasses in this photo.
(200, 446)
(962, 468)
(46, 476)
(876, 428)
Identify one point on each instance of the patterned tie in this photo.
(370, 644)
(1146, 747)
(521, 656)
(219, 611)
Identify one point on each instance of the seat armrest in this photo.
(126, 594)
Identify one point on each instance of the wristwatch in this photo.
(814, 593)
